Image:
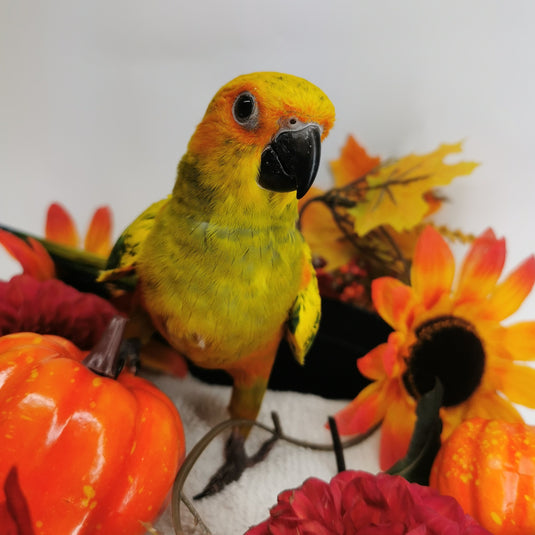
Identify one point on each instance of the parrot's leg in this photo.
(236, 462)
(250, 384)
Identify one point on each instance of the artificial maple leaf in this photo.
(354, 163)
(323, 235)
(395, 193)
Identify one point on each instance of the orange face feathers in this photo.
(262, 132)
(277, 97)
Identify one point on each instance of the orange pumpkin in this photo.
(94, 454)
(489, 467)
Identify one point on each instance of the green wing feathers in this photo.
(305, 315)
(123, 256)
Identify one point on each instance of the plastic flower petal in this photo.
(30, 254)
(359, 503)
(98, 237)
(432, 274)
(60, 228)
(482, 267)
(450, 330)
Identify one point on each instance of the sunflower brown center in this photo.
(447, 348)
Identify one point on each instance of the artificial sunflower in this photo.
(450, 331)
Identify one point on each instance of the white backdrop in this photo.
(98, 99)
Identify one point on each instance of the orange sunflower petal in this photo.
(517, 384)
(519, 339)
(433, 267)
(381, 361)
(452, 417)
(30, 254)
(491, 406)
(365, 411)
(393, 301)
(482, 267)
(371, 365)
(397, 426)
(98, 237)
(60, 227)
(509, 295)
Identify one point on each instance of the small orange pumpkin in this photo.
(489, 467)
(95, 454)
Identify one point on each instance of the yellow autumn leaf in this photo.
(395, 194)
(324, 237)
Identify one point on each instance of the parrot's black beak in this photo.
(291, 161)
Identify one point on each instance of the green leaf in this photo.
(425, 442)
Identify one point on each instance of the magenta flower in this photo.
(360, 503)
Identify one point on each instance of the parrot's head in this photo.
(261, 134)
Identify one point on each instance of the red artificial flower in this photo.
(360, 503)
(36, 302)
(53, 307)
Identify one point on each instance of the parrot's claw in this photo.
(236, 462)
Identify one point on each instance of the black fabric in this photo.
(345, 334)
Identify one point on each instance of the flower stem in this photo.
(337, 445)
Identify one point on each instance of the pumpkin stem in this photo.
(106, 359)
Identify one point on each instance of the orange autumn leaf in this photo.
(397, 193)
(321, 232)
(354, 163)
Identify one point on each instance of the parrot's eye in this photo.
(245, 110)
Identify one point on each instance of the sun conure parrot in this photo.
(222, 270)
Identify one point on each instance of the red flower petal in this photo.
(60, 227)
(53, 307)
(359, 503)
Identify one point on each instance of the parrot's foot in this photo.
(236, 462)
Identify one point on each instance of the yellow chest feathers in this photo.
(219, 293)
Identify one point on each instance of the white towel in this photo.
(247, 502)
